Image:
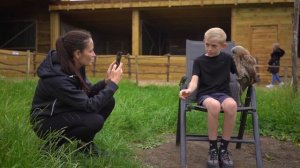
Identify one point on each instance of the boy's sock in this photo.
(212, 159)
(213, 144)
(224, 158)
(224, 144)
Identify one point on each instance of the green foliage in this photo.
(278, 111)
(20, 147)
(141, 117)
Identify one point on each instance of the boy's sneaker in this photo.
(212, 161)
(224, 159)
(270, 86)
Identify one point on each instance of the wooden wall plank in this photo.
(54, 28)
(136, 32)
(43, 36)
(254, 28)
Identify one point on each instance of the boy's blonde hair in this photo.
(216, 32)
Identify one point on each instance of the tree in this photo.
(295, 45)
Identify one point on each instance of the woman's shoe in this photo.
(90, 149)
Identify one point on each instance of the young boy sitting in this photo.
(211, 76)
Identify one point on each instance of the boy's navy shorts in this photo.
(218, 96)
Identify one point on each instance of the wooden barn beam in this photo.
(136, 33)
(149, 4)
(54, 28)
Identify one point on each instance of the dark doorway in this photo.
(18, 35)
(166, 30)
(111, 29)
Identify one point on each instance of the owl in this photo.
(245, 64)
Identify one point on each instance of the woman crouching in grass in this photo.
(65, 101)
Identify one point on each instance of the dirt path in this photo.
(276, 154)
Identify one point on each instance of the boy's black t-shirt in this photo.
(214, 73)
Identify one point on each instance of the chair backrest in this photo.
(195, 49)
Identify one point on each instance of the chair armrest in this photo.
(183, 82)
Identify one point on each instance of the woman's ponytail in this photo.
(65, 47)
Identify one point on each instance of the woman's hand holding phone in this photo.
(118, 58)
(115, 71)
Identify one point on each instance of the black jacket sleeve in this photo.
(66, 92)
(272, 61)
(279, 52)
(94, 89)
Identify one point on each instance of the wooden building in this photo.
(153, 27)
(25, 25)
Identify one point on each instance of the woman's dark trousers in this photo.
(73, 125)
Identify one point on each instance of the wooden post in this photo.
(136, 70)
(295, 45)
(168, 68)
(233, 23)
(36, 38)
(54, 28)
(286, 74)
(136, 33)
(129, 66)
(94, 66)
(28, 64)
(34, 63)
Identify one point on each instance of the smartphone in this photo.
(118, 58)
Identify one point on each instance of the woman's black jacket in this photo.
(275, 60)
(57, 92)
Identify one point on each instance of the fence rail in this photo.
(139, 68)
(144, 67)
(22, 65)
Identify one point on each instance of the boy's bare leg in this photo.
(213, 110)
(230, 111)
(229, 107)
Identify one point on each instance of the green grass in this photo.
(140, 119)
(278, 111)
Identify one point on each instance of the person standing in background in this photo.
(274, 64)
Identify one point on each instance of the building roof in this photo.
(121, 4)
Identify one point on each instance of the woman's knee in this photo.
(112, 102)
(107, 109)
(95, 123)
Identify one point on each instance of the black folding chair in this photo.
(193, 50)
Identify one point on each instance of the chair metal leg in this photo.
(178, 125)
(183, 161)
(259, 162)
(243, 120)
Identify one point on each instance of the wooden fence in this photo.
(285, 73)
(143, 67)
(15, 61)
(167, 68)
